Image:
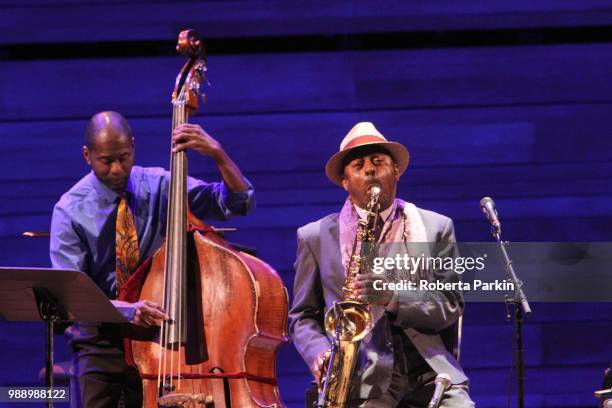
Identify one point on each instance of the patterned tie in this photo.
(126, 241)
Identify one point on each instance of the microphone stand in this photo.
(521, 309)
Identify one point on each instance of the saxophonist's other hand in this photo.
(363, 286)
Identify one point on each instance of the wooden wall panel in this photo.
(591, 348)
(341, 81)
(36, 21)
(275, 143)
(483, 314)
(143, 86)
(291, 216)
(489, 346)
(418, 184)
(481, 76)
(31, 204)
(574, 209)
(457, 157)
(25, 342)
(579, 380)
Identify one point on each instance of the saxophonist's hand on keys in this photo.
(363, 286)
(317, 366)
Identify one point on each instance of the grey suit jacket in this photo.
(427, 317)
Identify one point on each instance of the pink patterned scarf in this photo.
(403, 225)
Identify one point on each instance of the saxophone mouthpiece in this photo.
(374, 189)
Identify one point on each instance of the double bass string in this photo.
(176, 279)
(163, 338)
(182, 168)
(169, 282)
(161, 372)
(176, 172)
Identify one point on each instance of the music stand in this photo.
(53, 295)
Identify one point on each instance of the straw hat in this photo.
(364, 134)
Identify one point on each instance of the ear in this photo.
(396, 172)
(345, 183)
(86, 155)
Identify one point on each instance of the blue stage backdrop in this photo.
(513, 101)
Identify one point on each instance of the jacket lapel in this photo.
(332, 271)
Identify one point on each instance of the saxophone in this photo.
(349, 320)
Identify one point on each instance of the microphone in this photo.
(443, 381)
(487, 206)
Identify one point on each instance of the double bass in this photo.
(228, 309)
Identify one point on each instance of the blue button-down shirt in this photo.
(83, 223)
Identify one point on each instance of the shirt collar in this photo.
(383, 214)
(109, 195)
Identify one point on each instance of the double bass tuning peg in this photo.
(195, 87)
(201, 68)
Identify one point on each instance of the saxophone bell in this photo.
(345, 327)
(349, 321)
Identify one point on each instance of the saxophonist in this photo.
(413, 334)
